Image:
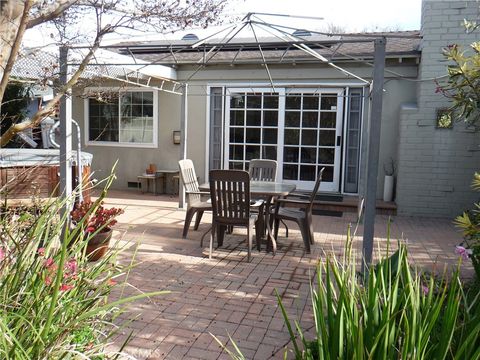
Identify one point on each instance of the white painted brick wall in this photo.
(436, 166)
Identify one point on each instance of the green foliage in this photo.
(463, 84)
(53, 302)
(469, 223)
(14, 105)
(397, 313)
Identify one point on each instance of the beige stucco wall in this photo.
(133, 161)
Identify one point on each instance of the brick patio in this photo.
(227, 295)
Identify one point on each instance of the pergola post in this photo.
(65, 135)
(373, 153)
(183, 140)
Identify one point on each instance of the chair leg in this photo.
(275, 228)
(212, 236)
(188, 220)
(310, 229)
(286, 228)
(303, 225)
(259, 230)
(221, 234)
(249, 242)
(198, 219)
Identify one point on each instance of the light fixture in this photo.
(176, 137)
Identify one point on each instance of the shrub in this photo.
(53, 303)
(397, 313)
(469, 222)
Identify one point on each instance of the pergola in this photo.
(108, 63)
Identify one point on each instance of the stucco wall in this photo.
(436, 165)
(133, 161)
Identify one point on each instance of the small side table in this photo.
(173, 174)
(149, 177)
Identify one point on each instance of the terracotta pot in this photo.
(98, 245)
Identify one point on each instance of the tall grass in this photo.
(53, 302)
(397, 313)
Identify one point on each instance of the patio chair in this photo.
(262, 170)
(301, 214)
(196, 202)
(230, 194)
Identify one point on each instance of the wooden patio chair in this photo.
(196, 202)
(264, 170)
(230, 196)
(301, 213)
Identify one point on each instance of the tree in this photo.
(67, 20)
(463, 81)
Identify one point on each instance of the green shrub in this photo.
(469, 222)
(53, 302)
(397, 313)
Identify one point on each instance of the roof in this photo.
(275, 50)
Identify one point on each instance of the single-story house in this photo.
(280, 102)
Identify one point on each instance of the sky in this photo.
(351, 15)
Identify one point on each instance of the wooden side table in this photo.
(149, 178)
(173, 174)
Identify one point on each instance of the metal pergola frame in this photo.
(376, 92)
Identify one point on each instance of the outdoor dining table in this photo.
(269, 191)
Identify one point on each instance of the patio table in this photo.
(268, 190)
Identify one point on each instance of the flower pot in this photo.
(388, 188)
(98, 245)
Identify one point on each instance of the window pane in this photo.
(327, 138)
(254, 101)
(326, 156)
(327, 174)
(309, 155)
(308, 172)
(269, 136)
(252, 135)
(293, 101)
(233, 165)
(252, 152)
(290, 172)
(328, 119)
(136, 122)
(270, 118)
(292, 119)
(292, 137)
(329, 102)
(237, 101)
(148, 98)
(310, 101)
(237, 117)
(270, 101)
(236, 135)
(103, 120)
(254, 118)
(290, 154)
(310, 119)
(309, 137)
(269, 152)
(236, 152)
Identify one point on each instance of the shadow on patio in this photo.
(227, 295)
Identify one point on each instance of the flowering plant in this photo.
(98, 219)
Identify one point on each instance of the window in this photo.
(128, 118)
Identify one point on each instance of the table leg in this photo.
(271, 243)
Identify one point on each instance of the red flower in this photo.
(2, 254)
(71, 266)
(49, 263)
(101, 218)
(41, 251)
(66, 287)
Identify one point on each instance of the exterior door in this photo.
(312, 137)
(300, 128)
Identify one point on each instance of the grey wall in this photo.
(436, 166)
(133, 161)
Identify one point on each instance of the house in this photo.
(303, 102)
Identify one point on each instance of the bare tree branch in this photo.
(51, 13)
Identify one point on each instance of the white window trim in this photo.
(121, 144)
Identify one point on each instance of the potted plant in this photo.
(389, 182)
(98, 224)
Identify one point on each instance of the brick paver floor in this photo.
(227, 296)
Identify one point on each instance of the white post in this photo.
(65, 134)
(183, 141)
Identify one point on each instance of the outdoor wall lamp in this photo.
(176, 137)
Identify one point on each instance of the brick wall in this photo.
(436, 166)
